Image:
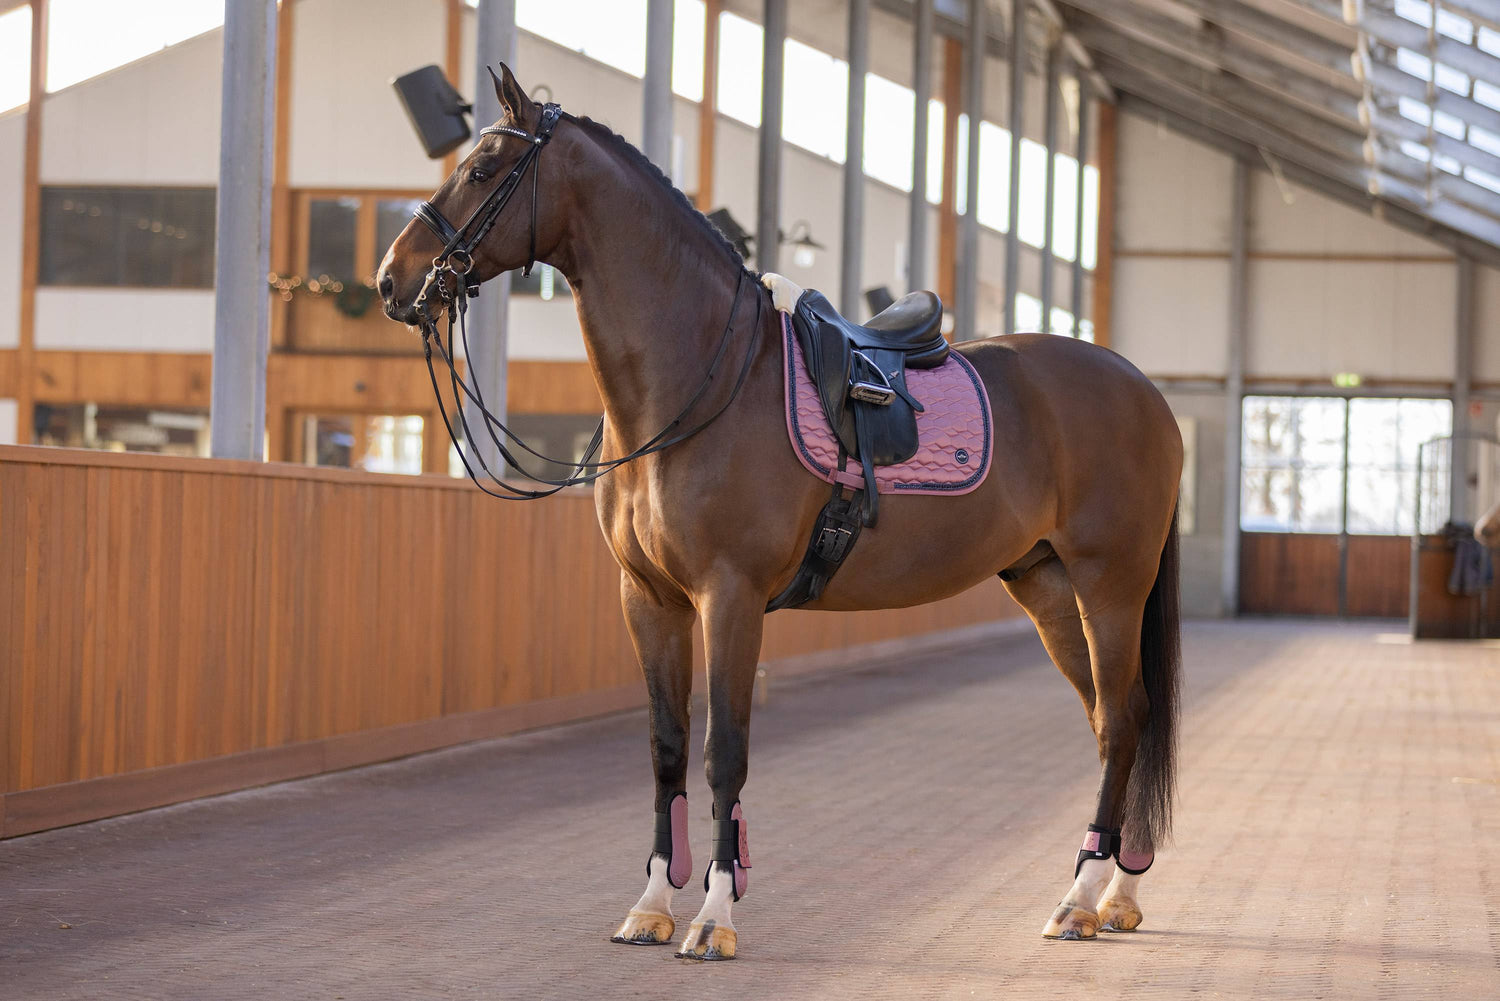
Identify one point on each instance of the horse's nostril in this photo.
(387, 286)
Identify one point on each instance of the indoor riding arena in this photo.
(1068, 429)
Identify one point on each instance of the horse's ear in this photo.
(512, 98)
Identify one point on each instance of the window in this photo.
(136, 237)
(1384, 436)
(391, 217)
(546, 283)
(1292, 464)
(374, 443)
(123, 429)
(331, 241)
(15, 58)
(1302, 456)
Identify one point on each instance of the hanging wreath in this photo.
(353, 299)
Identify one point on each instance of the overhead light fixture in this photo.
(1347, 380)
(804, 247)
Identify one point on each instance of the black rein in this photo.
(455, 263)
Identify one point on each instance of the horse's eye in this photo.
(479, 176)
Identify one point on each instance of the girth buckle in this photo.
(832, 543)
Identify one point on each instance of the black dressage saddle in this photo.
(860, 373)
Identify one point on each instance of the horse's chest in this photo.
(635, 528)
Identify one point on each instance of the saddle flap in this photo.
(887, 432)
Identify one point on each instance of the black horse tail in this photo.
(1153, 780)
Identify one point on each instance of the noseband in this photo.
(456, 260)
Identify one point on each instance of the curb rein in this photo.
(452, 280)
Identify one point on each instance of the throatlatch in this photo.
(672, 842)
(1103, 842)
(732, 847)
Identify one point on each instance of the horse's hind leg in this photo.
(1129, 605)
(663, 641)
(1096, 647)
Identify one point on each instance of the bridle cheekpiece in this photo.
(451, 277)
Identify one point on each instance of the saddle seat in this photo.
(912, 325)
(859, 371)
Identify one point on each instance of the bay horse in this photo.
(1079, 505)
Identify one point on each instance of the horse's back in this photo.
(1106, 431)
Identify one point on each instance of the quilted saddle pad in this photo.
(954, 431)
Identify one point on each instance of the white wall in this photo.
(347, 128)
(153, 121)
(12, 150)
(7, 422)
(1487, 309)
(108, 319)
(1331, 289)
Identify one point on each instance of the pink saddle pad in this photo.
(953, 432)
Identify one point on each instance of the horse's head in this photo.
(484, 228)
(1487, 529)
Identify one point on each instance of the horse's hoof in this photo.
(707, 941)
(645, 928)
(1072, 923)
(1119, 915)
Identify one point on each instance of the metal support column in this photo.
(1049, 200)
(1014, 122)
(768, 187)
(966, 320)
(852, 245)
(1463, 368)
(495, 43)
(1234, 382)
(916, 227)
(656, 113)
(242, 302)
(1081, 154)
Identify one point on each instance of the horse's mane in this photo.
(636, 158)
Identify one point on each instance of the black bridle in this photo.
(452, 282)
(459, 243)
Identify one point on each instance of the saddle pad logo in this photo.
(954, 432)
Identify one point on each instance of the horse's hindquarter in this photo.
(1085, 451)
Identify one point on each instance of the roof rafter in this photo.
(1327, 179)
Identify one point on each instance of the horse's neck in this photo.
(653, 292)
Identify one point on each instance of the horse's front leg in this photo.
(662, 634)
(733, 617)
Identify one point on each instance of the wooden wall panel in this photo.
(1289, 574)
(1379, 576)
(10, 373)
(1445, 616)
(139, 378)
(163, 616)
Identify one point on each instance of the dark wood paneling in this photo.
(1446, 616)
(1287, 574)
(1298, 574)
(1379, 576)
(162, 612)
